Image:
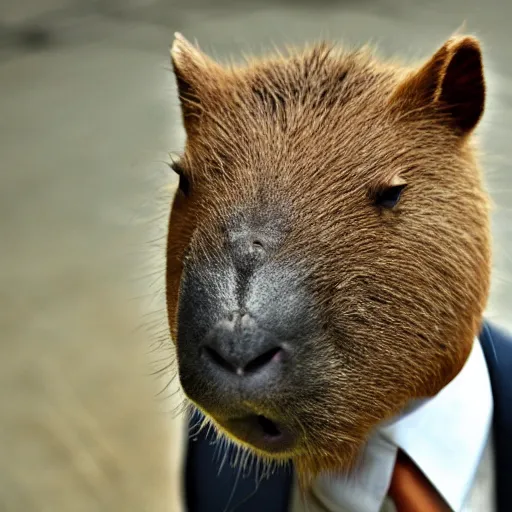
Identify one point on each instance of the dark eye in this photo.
(388, 197)
(184, 184)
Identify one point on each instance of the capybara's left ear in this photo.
(194, 72)
(451, 82)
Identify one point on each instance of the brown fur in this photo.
(307, 139)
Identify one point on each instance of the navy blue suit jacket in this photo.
(497, 347)
(210, 489)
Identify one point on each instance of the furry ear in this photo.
(193, 71)
(451, 82)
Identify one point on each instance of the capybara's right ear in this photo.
(194, 72)
(451, 82)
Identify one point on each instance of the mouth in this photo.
(262, 433)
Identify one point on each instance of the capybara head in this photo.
(328, 252)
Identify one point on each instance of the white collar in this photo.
(445, 436)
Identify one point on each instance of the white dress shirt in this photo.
(445, 436)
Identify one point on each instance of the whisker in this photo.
(232, 492)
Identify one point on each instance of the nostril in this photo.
(263, 359)
(257, 248)
(238, 367)
(218, 359)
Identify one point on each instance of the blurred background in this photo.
(88, 113)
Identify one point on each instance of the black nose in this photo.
(244, 325)
(237, 346)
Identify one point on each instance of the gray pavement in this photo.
(87, 112)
